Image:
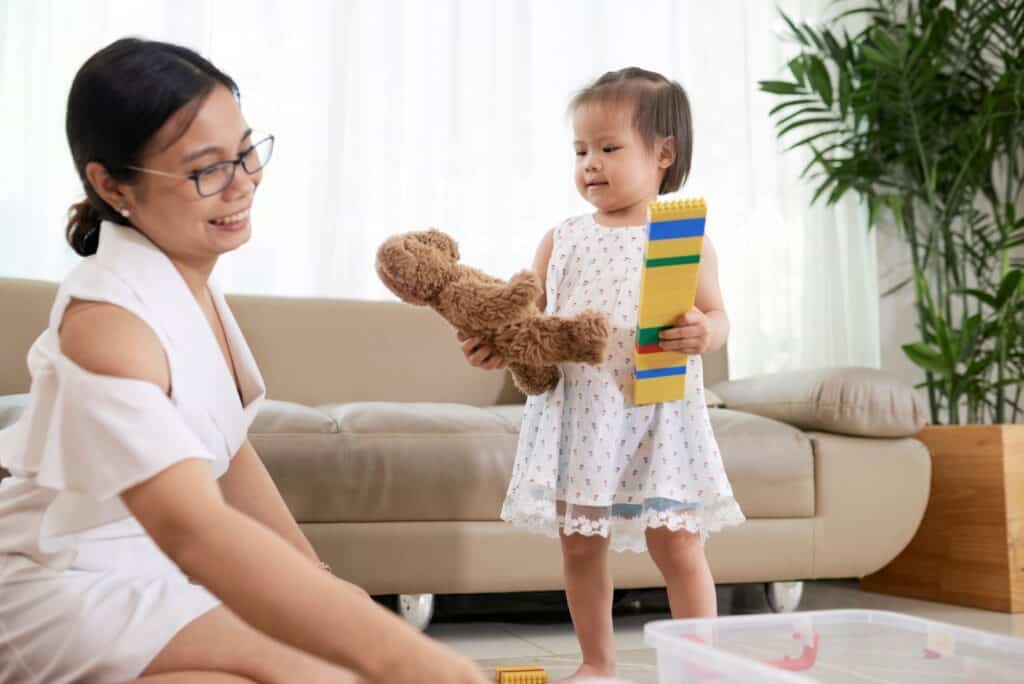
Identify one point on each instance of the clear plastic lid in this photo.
(831, 646)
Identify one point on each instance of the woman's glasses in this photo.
(213, 179)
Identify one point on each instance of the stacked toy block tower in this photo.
(668, 286)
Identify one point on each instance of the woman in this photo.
(140, 534)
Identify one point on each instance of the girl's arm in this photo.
(540, 265)
(709, 298)
(706, 327)
(257, 574)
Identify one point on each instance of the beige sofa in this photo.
(394, 454)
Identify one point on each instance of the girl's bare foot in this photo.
(586, 673)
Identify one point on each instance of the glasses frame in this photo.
(234, 163)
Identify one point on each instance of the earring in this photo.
(125, 212)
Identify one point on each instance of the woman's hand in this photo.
(690, 336)
(480, 356)
(430, 661)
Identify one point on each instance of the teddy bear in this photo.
(423, 268)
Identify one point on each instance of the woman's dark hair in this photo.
(119, 99)
(660, 109)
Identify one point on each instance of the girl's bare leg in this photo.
(681, 560)
(588, 588)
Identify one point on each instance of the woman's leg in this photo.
(681, 560)
(218, 642)
(193, 678)
(588, 588)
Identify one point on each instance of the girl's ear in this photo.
(666, 152)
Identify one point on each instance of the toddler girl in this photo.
(592, 468)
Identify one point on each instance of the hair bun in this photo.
(83, 229)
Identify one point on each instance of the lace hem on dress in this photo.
(625, 525)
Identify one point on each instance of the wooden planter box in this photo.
(969, 549)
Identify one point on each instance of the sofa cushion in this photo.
(862, 402)
(11, 408)
(401, 461)
(713, 400)
(277, 417)
(394, 462)
(770, 464)
(404, 461)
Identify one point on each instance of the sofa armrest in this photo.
(850, 401)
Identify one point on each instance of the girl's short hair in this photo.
(660, 109)
(119, 99)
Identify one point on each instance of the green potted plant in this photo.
(919, 113)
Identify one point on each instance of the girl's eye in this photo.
(580, 153)
(607, 149)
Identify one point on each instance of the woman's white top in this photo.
(86, 438)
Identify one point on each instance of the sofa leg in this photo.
(784, 597)
(416, 609)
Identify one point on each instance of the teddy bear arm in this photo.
(468, 303)
(554, 339)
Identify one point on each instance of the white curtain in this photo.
(398, 115)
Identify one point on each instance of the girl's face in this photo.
(615, 170)
(169, 210)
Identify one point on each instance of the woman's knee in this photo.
(220, 642)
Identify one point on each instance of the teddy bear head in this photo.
(417, 266)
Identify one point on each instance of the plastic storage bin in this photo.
(831, 647)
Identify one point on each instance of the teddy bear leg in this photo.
(523, 288)
(534, 379)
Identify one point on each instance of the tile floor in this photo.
(546, 637)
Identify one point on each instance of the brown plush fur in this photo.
(423, 268)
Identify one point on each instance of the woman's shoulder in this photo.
(105, 339)
(102, 326)
(90, 281)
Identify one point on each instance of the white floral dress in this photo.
(589, 460)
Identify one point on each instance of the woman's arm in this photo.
(254, 571)
(273, 587)
(248, 487)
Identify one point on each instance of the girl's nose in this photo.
(592, 163)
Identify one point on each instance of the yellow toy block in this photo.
(660, 249)
(672, 210)
(668, 288)
(663, 292)
(659, 359)
(657, 390)
(520, 675)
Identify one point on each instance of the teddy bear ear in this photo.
(441, 241)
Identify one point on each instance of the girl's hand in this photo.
(690, 335)
(480, 356)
